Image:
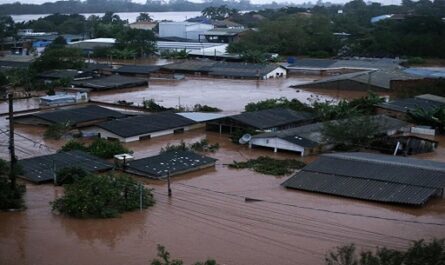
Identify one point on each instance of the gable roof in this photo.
(137, 69)
(410, 104)
(311, 135)
(145, 124)
(270, 118)
(378, 78)
(110, 82)
(374, 177)
(78, 115)
(172, 162)
(40, 169)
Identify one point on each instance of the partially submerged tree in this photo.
(164, 259)
(144, 17)
(102, 196)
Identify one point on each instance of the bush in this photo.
(10, 197)
(205, 108)
(69, 175)
(106, 149)
(56, 131)
(293, 104)
(200, 146)
(74, 145)
(102, 196)
(420, 252)
(270, 166)
(164, 259)
(152, 106)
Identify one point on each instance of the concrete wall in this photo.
(109, 135)
(279, 72)
(277, 143)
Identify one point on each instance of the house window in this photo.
(113, 139)
(145, 137)
(181, 130)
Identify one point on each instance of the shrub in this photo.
(106, 149)
(164, 259)
(293, 104)
(102, 196)
(152, 106)
(270, 166)
(73, 145)
(200, 146)
(69, 175)
(56, 131)
(10, 197)
(205, 108)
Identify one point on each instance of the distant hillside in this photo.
(101, 6)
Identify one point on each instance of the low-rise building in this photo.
(110, 82)
(399, 108)
(309, 140)
(186, 30)
(373, 177)
(142, 127)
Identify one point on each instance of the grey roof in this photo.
(311, 135)
(110, 82)
(40, 169)
(145, 124)
(175, 162)
(223, 68)
(78, 115)
(326, 64)
(378, 78)
(137, 69)
(59, 74)
(374, 177)
(432, 98)
(271, 118)
(224, 32)
(13, 64)
(364, 189)
(410, 104)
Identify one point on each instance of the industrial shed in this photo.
(400, 107)
(169, 163)
(376, 80)
(373, 177)
(110, 82)
(142, 127)
(263, 120)
(227, 69)
(43, 168)
(75, 116)
(137, 70)
(308, 139)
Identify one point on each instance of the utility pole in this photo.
(11, 141)
(168, 184)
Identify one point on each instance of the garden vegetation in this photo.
(270, 166)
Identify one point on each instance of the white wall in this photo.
(276, 73)
(106, 134)
(277, 143)
(183, 29)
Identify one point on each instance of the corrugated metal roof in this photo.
(110, 82)
(201, 116)
(137, 69)
(78, 115)
(175, 162)
(365, 189)
(41, 169)
(410, 104)
(374, 177)
(145, 124)
(270, 118)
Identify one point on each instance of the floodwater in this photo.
(227, 94)
(207, 217)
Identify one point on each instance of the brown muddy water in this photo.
(207, 215)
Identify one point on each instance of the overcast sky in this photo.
(253, 1)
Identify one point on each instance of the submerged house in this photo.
(110, 82)
(43, 169)
(142, 127)
(75, 116)
(308, 139)
(399, 108)
(169, 163)
(226, 69)
(264, 120)
(373, 177)
(142, 71)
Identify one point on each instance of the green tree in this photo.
(145, 17)
(141, 41)
(164, 259)
(59, 58)
(102, 196)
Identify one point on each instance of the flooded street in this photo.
(207, 217)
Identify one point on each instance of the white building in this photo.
(186, 30)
